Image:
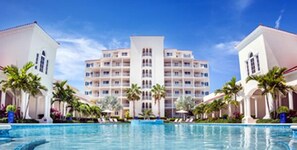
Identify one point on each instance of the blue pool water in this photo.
(167, 136)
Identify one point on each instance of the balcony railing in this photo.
(146, 86)
(126, 84)
(125, 104)
(146, 98)
(126, 64)
(126, 74)
(147, 75)
(146, 65)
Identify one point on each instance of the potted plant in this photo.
(69, 116)
(282, 111)
(10, 109)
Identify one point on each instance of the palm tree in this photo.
(95, 111)
(133, 94)
(17, 79)
(110, 103)
(62, 93)
(158, 93)
(186, 103)
(199, 110)
(34, 88)
(273, 82)
(230, 91)
(147, 113)
(84, 109)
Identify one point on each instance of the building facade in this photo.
(147, 63)
(19, 45)
(259, 52)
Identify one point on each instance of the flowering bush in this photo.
(55, 114)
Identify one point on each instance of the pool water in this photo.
(167, 136)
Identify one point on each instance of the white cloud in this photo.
(278, 21)
(114, 44)
(228, 47)
(242, 4)
(71, 55)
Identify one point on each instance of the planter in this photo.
(69, 118)
(283, 117)
(10, 116)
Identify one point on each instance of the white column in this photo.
(24, 99)
(290, 96)
(256, 107)
(220, 112)
(3, 98)
(280, 100)
(267, 111)
(213, 115)
(241, 107)
(47, 104)
(247, 110)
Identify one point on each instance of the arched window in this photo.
(150, 105)
(252, 63)
(42, 61)
(36, 61)
(251, 55)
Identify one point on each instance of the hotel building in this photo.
(259, 52)
(147, 63)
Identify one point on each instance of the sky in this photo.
(210, 28)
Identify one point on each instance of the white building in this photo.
(147, 63)
(19, 45)
(259, 52)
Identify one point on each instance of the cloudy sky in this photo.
(210, 28)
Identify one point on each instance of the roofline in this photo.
(256, 32)
(28, 24)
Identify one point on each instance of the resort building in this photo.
(147, 63)
(259, 52)
(19, 45)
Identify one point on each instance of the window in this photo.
(176, 82)
(106, 63)
(253, 65)
(105, 82)
(106, 73)
(206, 93)
(36, 61)
(41, 64)
(46, 67)
(169, 54)
(176, 92)
(258, 62)
(205, 74)
(124, 54)
(87, 74)
(117, 82)
(116, 92)
(105, 92)
(187, 82)
(107, 55)
(247, 67)
(186, 64)
(187, 73)
(176, 73)
(188, 92)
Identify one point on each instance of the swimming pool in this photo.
(167, 136)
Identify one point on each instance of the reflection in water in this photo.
(168, 136)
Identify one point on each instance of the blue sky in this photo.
(210, 28)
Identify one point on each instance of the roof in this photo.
(26, 25)
(258, 31)
(293, 69)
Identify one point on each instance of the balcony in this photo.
(125, 104)
(176, 65)
(105, 85)
(126, 84)
(147, 65)
(188, 85)
(116, 85)
(146, 86)
(146, 75)
(199, 95)
(169, 106)
(188, 75)
(146, 54)
(126, 74)
(146, 98)
(126, 64)
(188, 66)
(167, 64)
(177, 85)
(168, 84)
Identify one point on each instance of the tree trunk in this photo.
(159, 109)
(274, 102)
(26, 109)
(133, 109)
(267, 103)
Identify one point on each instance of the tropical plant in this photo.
(63, 93)
(84, 109)
(34, 88)
(186, 103)
(95, 111)
(133, 94)
(17, 79)
(230, 91)
(282, 109)
(10, 108)
(199, 110)
(68, 115)
(147, 113)
(109, 103)
(274, 83)
(215, 106)
(158, 92)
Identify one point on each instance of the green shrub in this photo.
(294, 120)
(68, 115)
(282, 109)
(268, 121)
(3, 120)
(27, 121)
(229, 120)
(10, 108)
